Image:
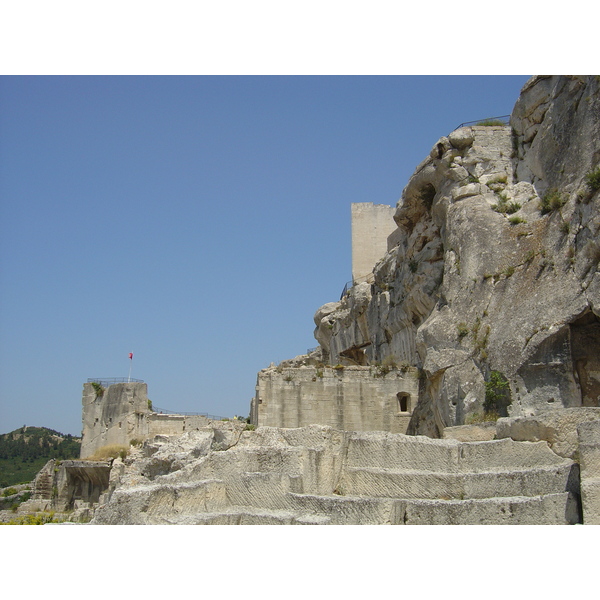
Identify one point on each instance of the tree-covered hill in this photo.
(25, 451)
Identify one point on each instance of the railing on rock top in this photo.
(165, 411)
(505, 119)
(106, 381)
(350, 284)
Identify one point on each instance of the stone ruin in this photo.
(122, 412)
(491, 271)
(526, 470)
(493, 266)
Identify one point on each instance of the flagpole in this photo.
(130, 365)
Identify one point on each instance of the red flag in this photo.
(131, 355)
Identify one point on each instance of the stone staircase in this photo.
(316, 475)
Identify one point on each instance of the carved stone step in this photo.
(548, 509)
(385, 483)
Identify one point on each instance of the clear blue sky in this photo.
(198, 222)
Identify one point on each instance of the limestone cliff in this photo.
(493, 267)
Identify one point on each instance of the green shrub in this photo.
(515, 220)
(98, 389)
(491, 123)
(497, 395)
(504, 206)
(593, 179)
(250, 427)
(551, 201)
(36, 519)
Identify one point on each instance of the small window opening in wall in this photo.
(403, 401)
(119, 425)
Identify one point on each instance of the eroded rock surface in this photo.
(320, 475)
(494, 266)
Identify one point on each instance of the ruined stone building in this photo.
(353, 398)
(122, 412)
(490, 266)
(472, 324)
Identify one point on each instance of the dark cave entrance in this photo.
(585, 352)
(356, 355)
(427, 194)
(566, 365)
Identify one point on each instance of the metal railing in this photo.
(350, 284)
(505, 119)
(166, 411)
(106, 381)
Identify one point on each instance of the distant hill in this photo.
(24, 451)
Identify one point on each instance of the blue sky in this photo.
(197, 221)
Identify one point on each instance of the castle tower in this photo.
(371, 225)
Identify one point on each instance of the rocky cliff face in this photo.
(494, 266)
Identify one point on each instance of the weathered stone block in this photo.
(551, 509)
(471, 433)
(589, 452)
(558, 427)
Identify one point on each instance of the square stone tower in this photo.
(371, 226)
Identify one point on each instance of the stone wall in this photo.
(589, 456)
(122, 413)
(113, 417)
(350, 398)
(163, 424)
(371, 226)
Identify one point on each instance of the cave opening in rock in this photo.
(585, 351)
(356, 355)
(427, 194)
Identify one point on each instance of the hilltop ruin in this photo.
(473, 327)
